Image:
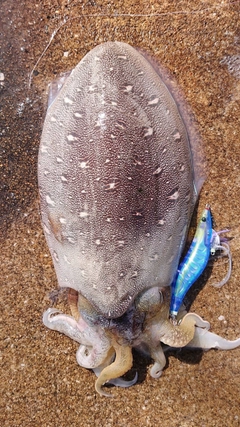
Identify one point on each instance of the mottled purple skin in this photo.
(116, 179)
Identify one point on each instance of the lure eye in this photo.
(203, 219)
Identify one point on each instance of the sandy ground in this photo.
(41, 383)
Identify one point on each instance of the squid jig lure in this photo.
(205, 243)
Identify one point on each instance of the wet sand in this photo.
(41, 383)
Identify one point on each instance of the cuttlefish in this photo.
(119, 177)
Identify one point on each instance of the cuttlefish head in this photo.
(147, 325)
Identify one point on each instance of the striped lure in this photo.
(205, 243)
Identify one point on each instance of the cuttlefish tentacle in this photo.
(181, 334)
(122, 363)
(158, 356)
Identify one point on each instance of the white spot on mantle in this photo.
(71, 138)
(174, 196)
(68, 100)
(49, 201)
(83, 165)
(83, 214)
(148, 132)
(128, 88)
(55, 256)
(44, 149)
(78, 115)
(66, 259)
(157, 171)
(153, 101)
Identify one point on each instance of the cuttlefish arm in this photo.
(181, 334)
(192, 331)
(206, 340)
(94, 343)
(119, 382)
(122, 363)
(158, 356)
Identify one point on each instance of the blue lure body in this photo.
(193, 263)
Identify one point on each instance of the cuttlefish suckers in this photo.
(116, 179)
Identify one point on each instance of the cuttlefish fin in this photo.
(182, 333)
(122, 363)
